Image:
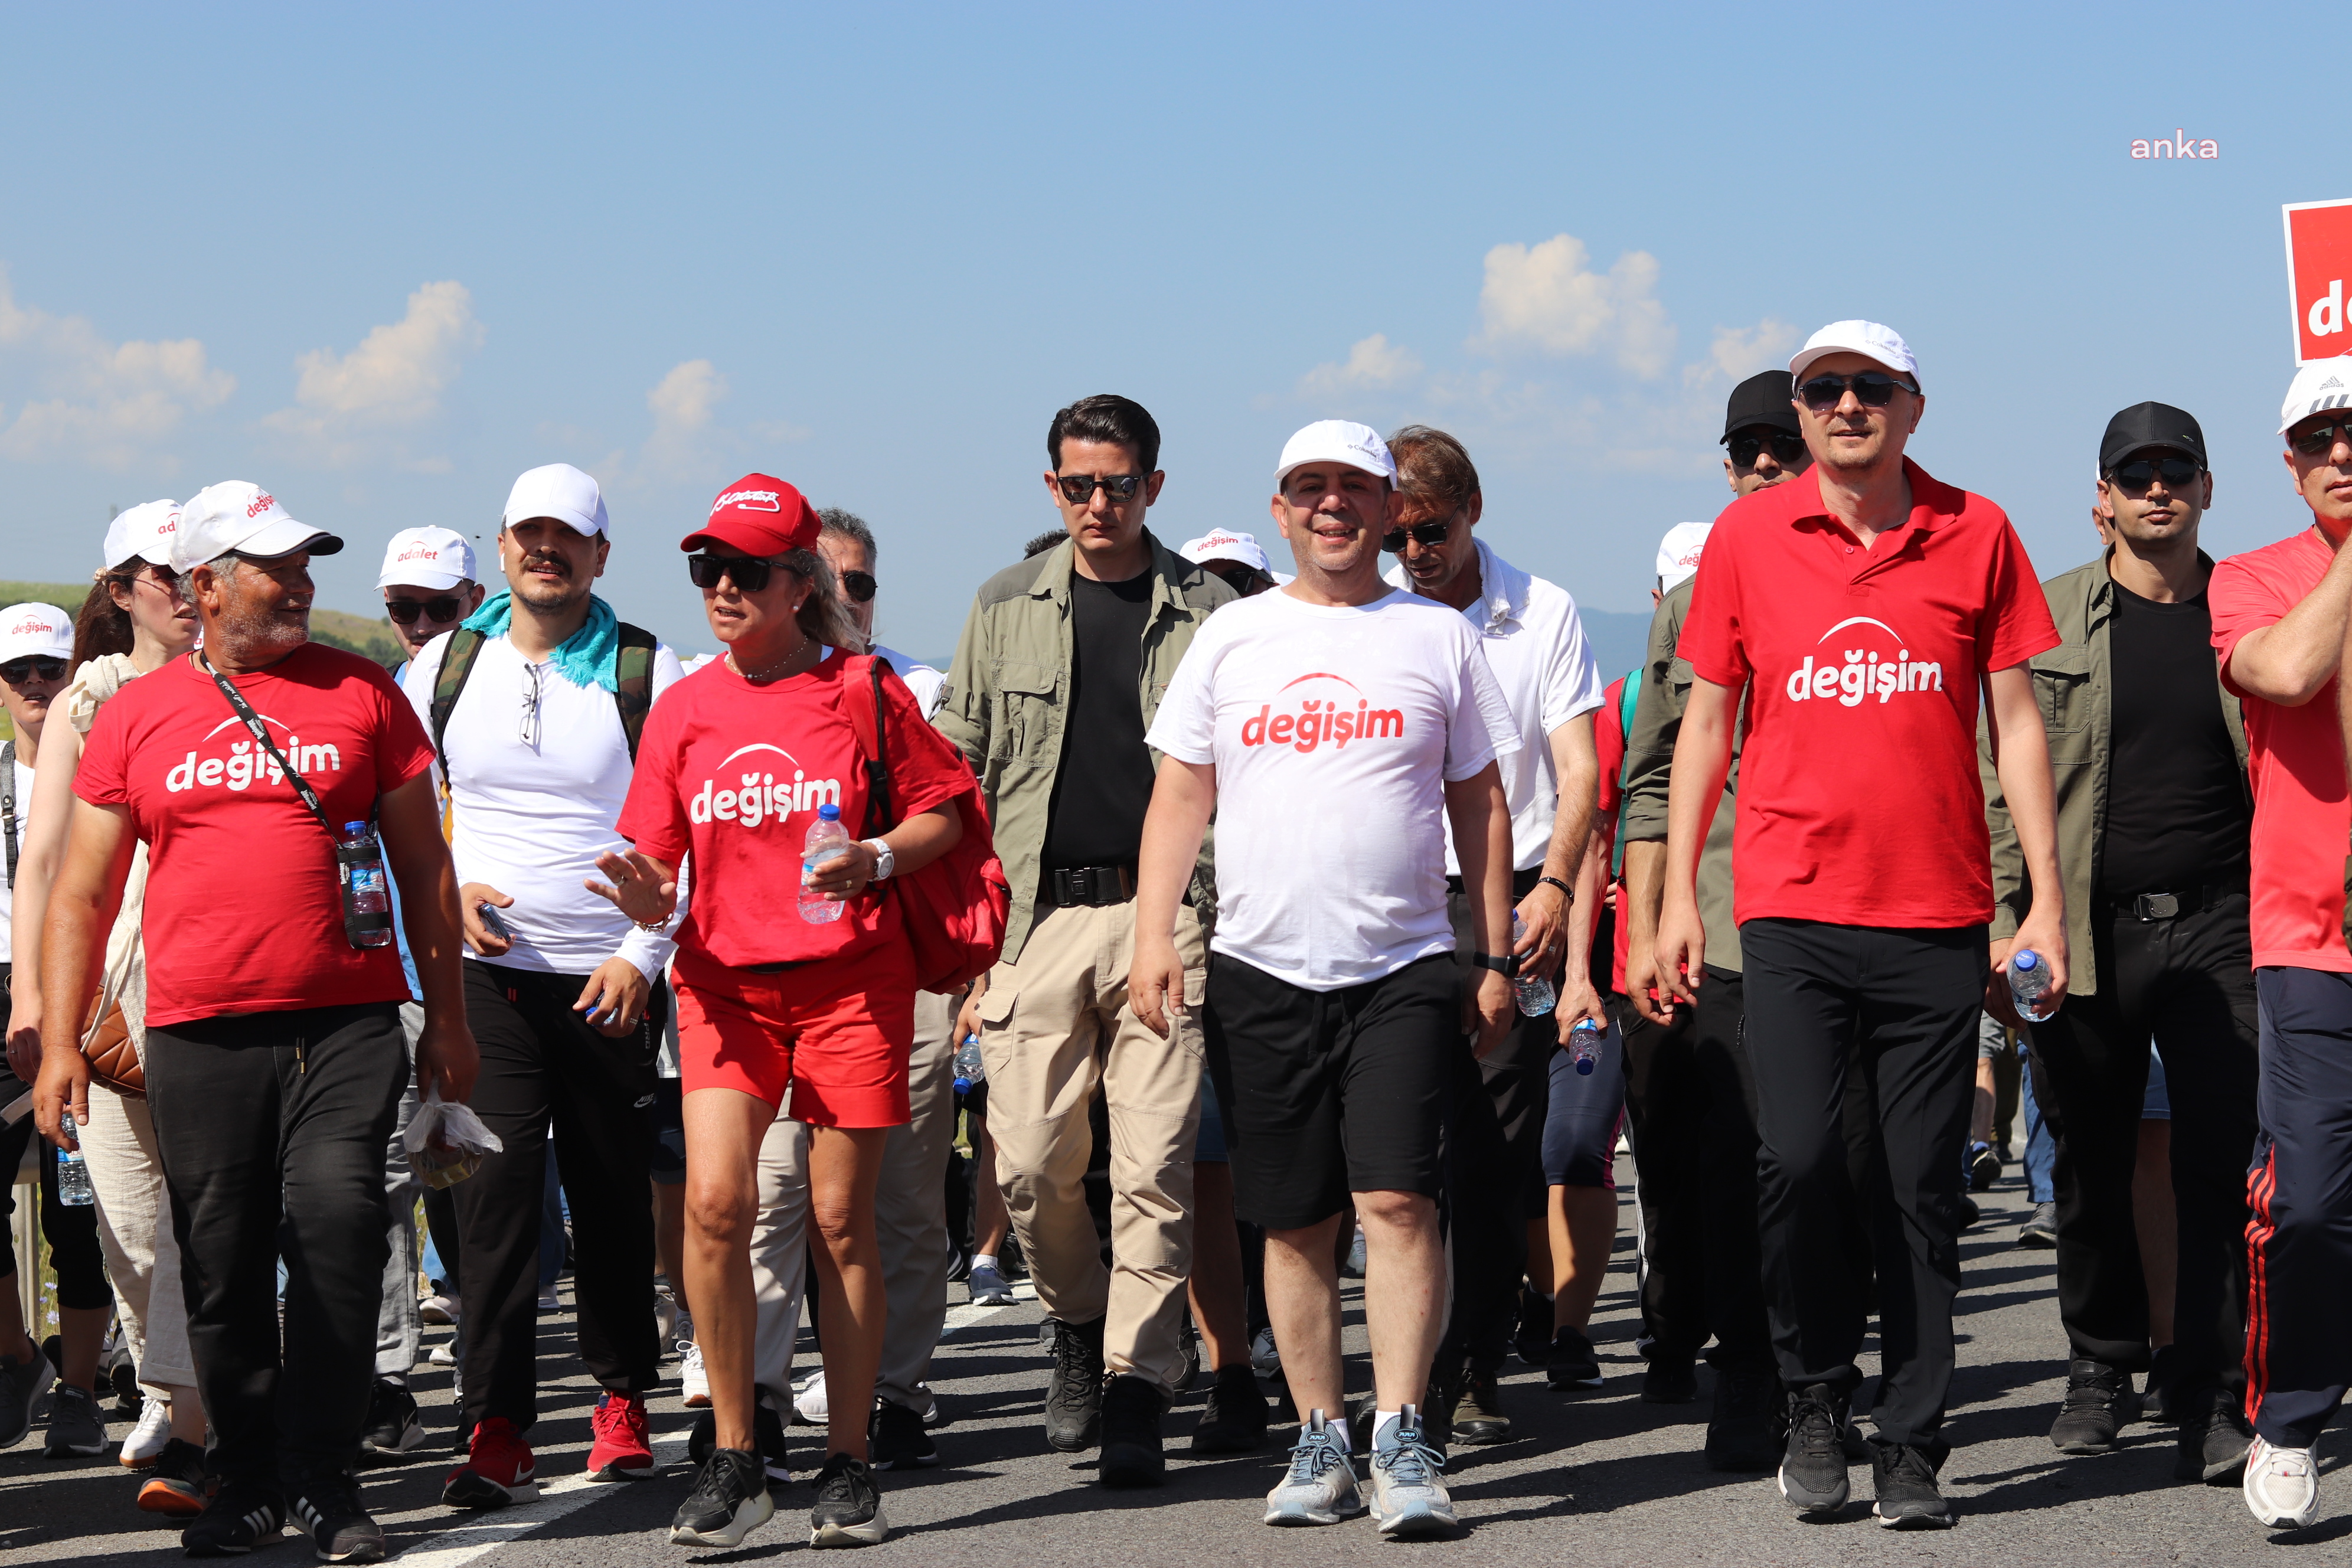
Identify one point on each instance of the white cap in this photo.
(431, 558)
(1884, 344)
(1678, 553)
(41, 631)
(144, 533)
(561, 492)
(1223, 544)
(1337, 441)
(235, 515)
(2316, 389)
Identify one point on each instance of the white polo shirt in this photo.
(1534, 642)
(928, 684)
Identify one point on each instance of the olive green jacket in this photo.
(1008, 692)
(1649, 765)
(2073, 685)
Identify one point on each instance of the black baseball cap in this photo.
(2145, 425)
(1763, 399)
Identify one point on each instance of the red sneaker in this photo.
(497, 1469)
(620, 1452)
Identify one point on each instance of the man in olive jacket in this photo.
(1063, 663)
(2148, 749)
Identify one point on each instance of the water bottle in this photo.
(1534, 991)
(826, 839)
(371, 892)
(73, 1174)
(2028, 978)
(1584, 1046)
(968, 1068)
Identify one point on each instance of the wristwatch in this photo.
(1504, 964)
(884, 860)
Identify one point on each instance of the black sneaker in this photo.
(2041, 1227)
(1907, 1495)
(327, 1510)
(393, 1425)
(767, 1432)
(1984, 1167)
(1074, 1400)
(1188, 1346)
(1131, 1455)
(728, 1502)
(2214, 1438)
(1571, 1367)
(2098, 1404)
(1670, 1380)
(848, 1510)
(1533, 1340)
(1233, 1415)
(895, 1439)
(1478, 1418)
(240, 1517)
(1439, 1397)
(1812, 1466)
(2155, 1402)
(177, 1484)
(76, 1424)
(1743, 1430)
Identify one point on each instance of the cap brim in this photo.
(288, 537)
(1807, 358)
(573, 520)
(1282, 474)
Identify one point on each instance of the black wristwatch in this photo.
(1506, 965)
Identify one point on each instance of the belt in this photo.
(2171, 906)
(778, 968)
(1092, 887)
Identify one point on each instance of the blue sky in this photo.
(381, 260)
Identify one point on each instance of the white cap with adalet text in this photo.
(561, 492)
(2320, 388)
(237, 516)
(1678, 553)
(141, 533)
(1337, 441)
(35, 631)
(1884, 344)
(431, 558)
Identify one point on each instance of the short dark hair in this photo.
(849, 525)
(1043, 542)
(1107, 417)
(1433, 470)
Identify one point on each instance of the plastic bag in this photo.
(445, 1143)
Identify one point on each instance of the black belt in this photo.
(2171, 906)
(1089, 887)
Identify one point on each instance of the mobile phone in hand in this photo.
(489, 914)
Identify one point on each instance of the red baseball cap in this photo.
(760, 515)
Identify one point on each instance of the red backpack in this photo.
(955, 908)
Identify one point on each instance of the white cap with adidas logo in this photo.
(2317, 389)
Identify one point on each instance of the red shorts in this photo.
(835, 1033)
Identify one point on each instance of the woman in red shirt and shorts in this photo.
(776, 1013)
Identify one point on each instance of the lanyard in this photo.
(261, 734)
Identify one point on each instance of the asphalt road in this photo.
(1601, 1479)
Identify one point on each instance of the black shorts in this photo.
(1332, 1092)
(666, 1116)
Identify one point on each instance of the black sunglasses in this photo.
(2322, 439)
(2140, 472)
(1786, 449)
(445, 607)
(1079, 488)
(860, 585)
(1423, 533)
(1872, 389)
(749, 572)
(17, 671)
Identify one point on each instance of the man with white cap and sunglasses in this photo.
(1328, 725)
(1238, 558)
(271, 778)
(1861, 611)
(2281, 627)
(428, 584)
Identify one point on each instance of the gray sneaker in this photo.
(1321, 1485)
(1408, 1500)
(988, 1287)
(75, 1428)
(21, 1383)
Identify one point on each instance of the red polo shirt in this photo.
(1858, 803)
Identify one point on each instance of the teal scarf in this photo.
(589, 656)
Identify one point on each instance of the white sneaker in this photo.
(549, 1301)
(442, 1355)
(930, 1407)
(695, 1381)
(2282, 1486)
(667, 1314)
(1408, 1500)
(147, 1440)
(810, 1407)
(1320, 1487)
(437, 1309)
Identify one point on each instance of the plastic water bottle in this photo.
(73, 1174)
(1534, 991)
(1584, 1046)
(969, 1069)
(371, 892)
(826, 839)
(2028, 978)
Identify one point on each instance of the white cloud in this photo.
(1374, 364)
(345, 406)
(1546, 298)
(1738, 354)
(685, 404)
(103, 401)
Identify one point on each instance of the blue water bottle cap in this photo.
(355, 828)
(829, 811)
(2026, 961)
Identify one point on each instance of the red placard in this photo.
(2319, 278)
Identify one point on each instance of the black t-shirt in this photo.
(2177, 811)
(1104, 782)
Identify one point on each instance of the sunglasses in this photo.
(1786, 449)
(860, 585)
(446, 607)
(749, 572)
(1872, 389)
(2140, 472)
(17, 671)
(2321, 441)
(1079, 488)
(1423, 533)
